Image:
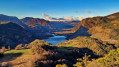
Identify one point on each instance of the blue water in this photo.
(55, 39)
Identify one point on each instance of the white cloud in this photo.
(70, 18)
(46, 16)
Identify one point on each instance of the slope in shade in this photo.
(12, 34)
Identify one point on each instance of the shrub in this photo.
(82, 62)
(19, 47)
(38, 42)
(5, 64)
(37, 49)
(61, 65)
(110, 60)
(79, 64)
(26, 46)
(9, 48)
(117, 44)
(3, 49)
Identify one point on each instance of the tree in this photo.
(9, 47)
(82, 62)
(110, 60)
(19, 47)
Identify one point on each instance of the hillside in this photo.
(5, 18)
(97, 46)
(109, 60)
(85, 25)
(33, 22)
(95, 23)
(41, 53)
(41, 26)
(12, 34)
(113, 16)
(36, 24)
(106, 32)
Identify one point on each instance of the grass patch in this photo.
(23, 52)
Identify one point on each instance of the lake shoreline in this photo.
(55, 39)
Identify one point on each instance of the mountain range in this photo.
(92, 42)
(28, 29)
(40, 28)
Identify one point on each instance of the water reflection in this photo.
(56, 39)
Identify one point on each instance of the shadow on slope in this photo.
(64, 55)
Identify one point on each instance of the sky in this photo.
(58, 9)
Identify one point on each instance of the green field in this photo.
(23, 52)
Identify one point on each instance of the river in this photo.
(55, 39)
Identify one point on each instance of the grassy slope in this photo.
(106, 32)
(23, 52)
(98, 47)
(18, 58)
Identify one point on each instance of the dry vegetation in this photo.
(99, 50)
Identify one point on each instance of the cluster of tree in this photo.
(110, 60)
(82, 62)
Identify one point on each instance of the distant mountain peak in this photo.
(30, 21)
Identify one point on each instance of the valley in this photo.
(94, 37)
(59, 33)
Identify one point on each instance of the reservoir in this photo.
(55, 39)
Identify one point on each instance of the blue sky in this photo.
(58, 8)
